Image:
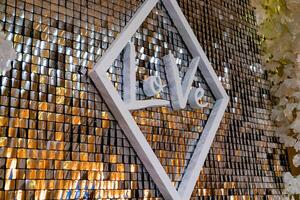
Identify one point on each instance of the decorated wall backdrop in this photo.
(59, 140)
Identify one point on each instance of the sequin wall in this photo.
(58, 139)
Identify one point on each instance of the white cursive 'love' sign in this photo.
(181, 92)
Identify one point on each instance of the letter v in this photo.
(179, 92)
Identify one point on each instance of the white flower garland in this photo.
(279, 26)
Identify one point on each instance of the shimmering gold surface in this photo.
(58, 140)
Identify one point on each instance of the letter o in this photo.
(152, 86)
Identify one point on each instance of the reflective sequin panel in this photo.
(58, 139)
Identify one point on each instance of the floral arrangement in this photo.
(7, 53)
(279, 27)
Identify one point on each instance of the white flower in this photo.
(292, 185)
(260, 11)
(296, 124)
(288, 111)
(283, 101)
(287, 140)
(7, 54)
(296, 160)
(297, 145)
(277, 115)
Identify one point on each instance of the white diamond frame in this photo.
(127, 122)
